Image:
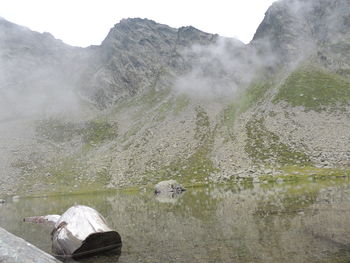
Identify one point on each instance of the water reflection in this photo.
(109, 256)
(262, 223)
(168, 197)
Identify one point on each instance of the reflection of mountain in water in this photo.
(171, 198)
(223, 224)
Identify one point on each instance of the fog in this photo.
(291, 33)
(223, 69)
(40, 75)
(40, 99)
(37, 73)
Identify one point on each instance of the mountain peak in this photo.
(294, 27)
(136, 20)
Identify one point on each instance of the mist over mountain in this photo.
(154, 102)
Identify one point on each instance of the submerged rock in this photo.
(2, 201)
(170, 186)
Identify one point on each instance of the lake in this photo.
(301, 222)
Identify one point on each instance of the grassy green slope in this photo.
(82, 168)
(314, 89)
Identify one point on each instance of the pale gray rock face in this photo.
(134, 55)
(294, 28)
(170, 186)
(132, 58)
(281, 31)
(14, 249)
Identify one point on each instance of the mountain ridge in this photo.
(153, 102)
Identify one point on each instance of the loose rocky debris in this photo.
(282, 112)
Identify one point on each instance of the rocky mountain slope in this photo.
(153, 102)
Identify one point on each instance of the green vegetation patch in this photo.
(67, 174)
(314, 173)
(93, 132)
(153, 97)
(195, 168)
(68, 170)
(180, 104)
(265, 146)
(251, 96)
(294, 174)
(315, 89)
(148, 101)
(228, 117)
(254, 93)
(98, 131)
(57, 129)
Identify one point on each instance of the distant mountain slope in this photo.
(154, 102)
(36, 70)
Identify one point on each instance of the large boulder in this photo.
(81, 231)
(14, 249)
(170, 186)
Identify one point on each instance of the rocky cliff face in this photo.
(156, 102)
(134, 55)
(295, 29)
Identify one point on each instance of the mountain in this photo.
(133, 55)
(154, 102)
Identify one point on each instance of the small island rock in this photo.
(170, 186)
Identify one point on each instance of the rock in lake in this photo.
(81, 231)
(170, 186)
(14, 249)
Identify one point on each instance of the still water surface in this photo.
(306, 222)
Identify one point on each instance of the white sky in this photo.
(87, 22)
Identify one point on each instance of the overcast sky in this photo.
(87, 22)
